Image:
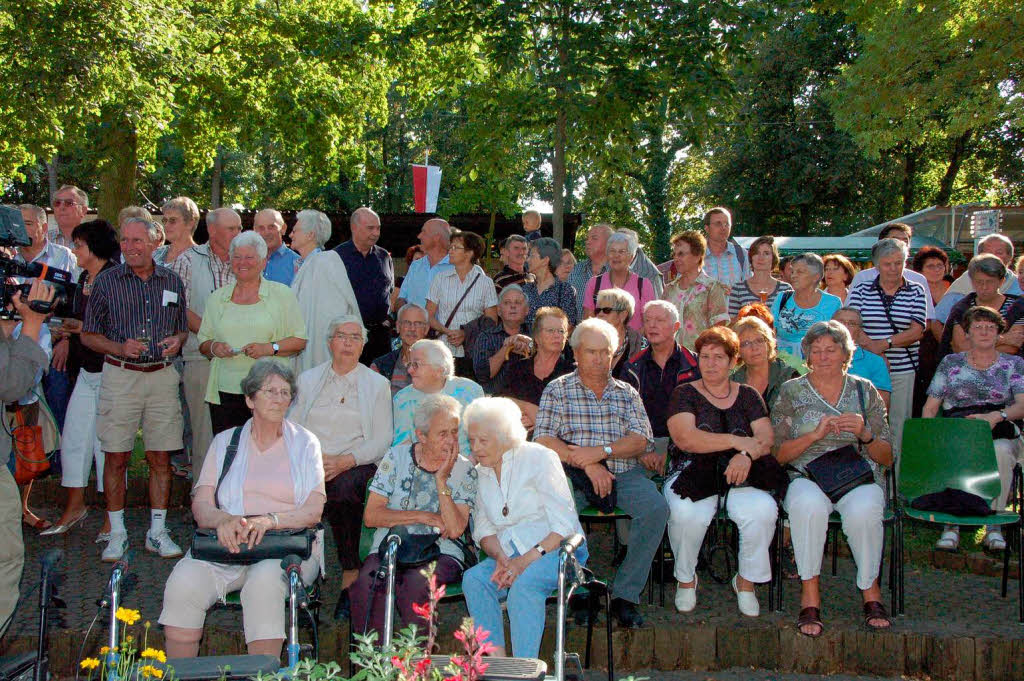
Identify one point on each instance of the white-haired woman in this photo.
(618, 308)
(822, 411)
(244, 321)
(275, 481)
(432, 369)
(620, 251)
(348, 407)
(309, 235)
(796, 312)
(421, 486)
(547, 289)
(180, 219)
(523, 510)
(759, 363)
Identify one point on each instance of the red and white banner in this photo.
(426, 181)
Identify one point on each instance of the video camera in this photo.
(13, 234)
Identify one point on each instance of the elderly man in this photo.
(900, 231)
(591, 266)
(280, 266)
(310, 234)
(494, 347)
(434, 238)
(996, 244)
(725, 261)
(641, 264)
(514, 271)
(599, 428)
(372, 274)
(70, 205)
(136, 317)
(412, 326)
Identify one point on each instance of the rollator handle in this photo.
(571, 543)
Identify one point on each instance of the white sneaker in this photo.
(747, 600)
(162, 544)
(950, 539)
(994, 540)
(686, 599)
(117, 544)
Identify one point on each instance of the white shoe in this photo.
(162, 544)
(950, 539)
(102, 537)
(117, 544)
(686, 599)
(994, 541)
(747, 600)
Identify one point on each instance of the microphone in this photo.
(49, 560)
(572, 542)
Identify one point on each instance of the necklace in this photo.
(717, 397)
(504, 498)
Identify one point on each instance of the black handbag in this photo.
(840, 470)
(1004, 430)
(581, 481)
(275, 544)
(414, 550)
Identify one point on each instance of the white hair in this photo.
(153, 229)
(213, 216)
(634, 238)
(432, 405)
(1001, 238)
(341, 320)
(274, 213)
(620, 238)
(411, 306)
(38, 211)
(502, 418)
(596, 326)
(511, 288)
(886, 247)
(438, 355)
(619, 298)
(315, 223)
(670, 309)
(249, 239)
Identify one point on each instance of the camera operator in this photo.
(20, 359)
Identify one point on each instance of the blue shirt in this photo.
(872, 367)
(792, 323)
(417, 280)
(373, 279)
(281, 266)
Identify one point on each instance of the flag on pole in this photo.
(426, 181)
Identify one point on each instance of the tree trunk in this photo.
(51, 171)
(561, 124)
(119, 152)
(655, 184)
(909, 173)
(956, 159)
(217, 180)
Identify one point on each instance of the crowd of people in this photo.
(487, 410)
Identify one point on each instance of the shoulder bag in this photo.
(838, 471)
(433, 333)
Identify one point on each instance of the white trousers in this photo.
(1008, 454)
(195, 376)
(901, 406)
(80, 445)
(861, 511)
(754, 511)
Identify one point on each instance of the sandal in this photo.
(37, 524)
(994, 541)
(874, 610)
(950, 539)
(810, 616)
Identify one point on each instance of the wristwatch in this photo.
(1002, 412)
(540, 549)
(607, 450)
(277, 348)
(888, 341)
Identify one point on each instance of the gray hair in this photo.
(80, 195)
(595, 326)
(886, 247)
(987, 263)
(618, 298)
(316, 223)
(39, 211)
(813, 262)
(213, 216)
(274, 213)
(670, 309)
(848, 308)
(834, 330)
(501, 416)
(185, 207)
(634, 238)
(249, 239)
(264, 368)
(438, 355)
(432, 405)
(342, 320)
(546, 247)
(1001, 238)
(620, 238)
(511, 288)
(514, 239)
(152, 228)
(411, 306)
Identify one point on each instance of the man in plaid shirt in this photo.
(598, 424)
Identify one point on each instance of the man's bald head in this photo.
(365, 226)
(223, 225)
(269, 224)
(435, 235)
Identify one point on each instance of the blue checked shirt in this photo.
(572, 413)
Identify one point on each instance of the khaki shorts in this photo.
(129, 399)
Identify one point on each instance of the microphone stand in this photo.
(40, 670)
(391, 561)
(114, 590)
(569, 577)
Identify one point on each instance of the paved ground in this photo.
(737, 674)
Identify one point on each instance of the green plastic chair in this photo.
(957, 453)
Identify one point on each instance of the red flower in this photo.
(422, 609)
(423, 666)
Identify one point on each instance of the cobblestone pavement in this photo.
(736, 674)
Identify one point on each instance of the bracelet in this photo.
(747, 454)
(274, 519)
(446, 492)
(867, 443)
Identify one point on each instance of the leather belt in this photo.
(144, 368)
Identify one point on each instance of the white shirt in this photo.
(869, 275)
(535, 491)
(446, 289)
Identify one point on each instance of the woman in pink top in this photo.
(620, 256)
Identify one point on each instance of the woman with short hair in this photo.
(986, 272)
(310, 233)
(617, 307)
(701, 300)
(759, 365)
(760, 286)
(528, 376)
(620, 251)
(839, 273)
(796, 312)
(546, 289)
(566, 266)
(180, 219)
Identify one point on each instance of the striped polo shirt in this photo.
(885, 316)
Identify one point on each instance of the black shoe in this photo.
(627, 614)
(343, 610)
(620, 555)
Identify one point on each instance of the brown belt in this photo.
(144, 368)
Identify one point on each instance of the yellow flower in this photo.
(155, 654)
(151, 671)
(104, 650)
(127, 616)
(89, 663)
(129, 639)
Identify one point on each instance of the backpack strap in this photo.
(597, 287)
(229, 457)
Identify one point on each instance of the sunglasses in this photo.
(607, 310)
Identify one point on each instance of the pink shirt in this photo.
(632, 287)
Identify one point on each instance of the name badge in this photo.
(170, 298)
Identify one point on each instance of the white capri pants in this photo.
(80, 445)
(861, 511)
(1008, 454)
(191, 590)
(754, 511)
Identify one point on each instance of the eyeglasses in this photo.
(277, 393)
(455, 247)
(64, 202)
(751, 343)
(348, 337)
(608, 310)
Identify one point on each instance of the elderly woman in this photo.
(618, 308)
(412, 327)
(566, 266)
(276, 481)
(180, 219)
(986, 273)
(432, 369)
(620, 251)
(243, 322)
(933, 263)
(461, 294)
(702, 301)
(719, 428)
(421, 486)
(761, 286)
(523, 511)
(839, 273)
(496, 345)
(759, 363)
(546, 289)
(795, 313)
(309, 235)
(348, 407)
(815, 414)
(528, 376)
(982, 383)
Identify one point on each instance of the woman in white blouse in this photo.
(523, 511)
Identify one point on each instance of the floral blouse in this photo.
(701, 306)
(959, 385)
